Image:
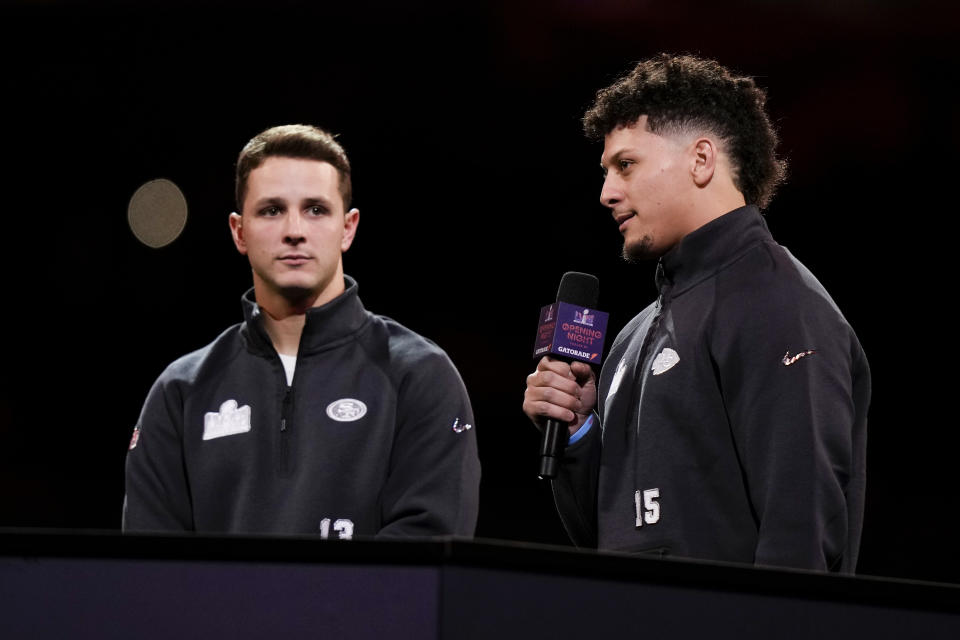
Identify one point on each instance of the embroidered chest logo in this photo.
(665, 360)
(789, 360)
(228, 421)
(346, 410)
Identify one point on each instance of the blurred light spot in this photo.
(157, 213)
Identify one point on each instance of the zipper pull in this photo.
(285, 408)
(661, 283)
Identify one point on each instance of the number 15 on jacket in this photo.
(647, 505)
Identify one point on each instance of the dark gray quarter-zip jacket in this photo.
(733, 414)
(374, 437)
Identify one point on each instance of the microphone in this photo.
(569, 329)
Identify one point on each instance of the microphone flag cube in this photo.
(571, 332)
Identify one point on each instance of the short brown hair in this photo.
(681, 92)
(293, 141)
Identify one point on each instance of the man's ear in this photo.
(236, 230)
(351, 219)
(703, 161)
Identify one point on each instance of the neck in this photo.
(284, 332)
(712, 206)
(285, 311)
(285, 315)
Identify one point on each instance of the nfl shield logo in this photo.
(135, 437)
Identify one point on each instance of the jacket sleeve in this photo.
(575, 487)
(157, 494)
(433, 483)
(786, 364)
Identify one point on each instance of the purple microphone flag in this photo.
(569, 331)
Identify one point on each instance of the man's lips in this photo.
(294, 258)
(622, 218)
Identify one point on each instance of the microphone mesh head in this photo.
(580, 289)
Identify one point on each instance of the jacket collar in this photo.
(326, 326)
(705, 251)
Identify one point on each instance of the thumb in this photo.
(582, 371)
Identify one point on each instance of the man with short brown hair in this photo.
(313, 415)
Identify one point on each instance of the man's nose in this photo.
(610, 193)
(293, 230)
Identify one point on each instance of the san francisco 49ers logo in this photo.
(346, 410)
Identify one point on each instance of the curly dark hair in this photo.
(293, 141)
(684, 92)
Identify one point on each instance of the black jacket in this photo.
(374, 437)
(733, 413)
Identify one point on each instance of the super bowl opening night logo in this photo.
(581, 335)
(570, 331)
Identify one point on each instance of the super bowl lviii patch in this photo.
(228, 421)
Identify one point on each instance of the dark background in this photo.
(477, 192)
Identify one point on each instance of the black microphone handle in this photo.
(582, 290)
(552, 444)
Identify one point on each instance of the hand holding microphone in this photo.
(562, 391)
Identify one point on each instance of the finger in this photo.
(549, 395)
(582, 371)
(551, 379)
(539, 411)
(557, 366)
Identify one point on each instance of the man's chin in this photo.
(641, 251)
(295, 292)
(295, 289)
(306, 291)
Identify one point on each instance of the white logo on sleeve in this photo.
(227, 422)
(460, 427)
(346, 410)
(135, 438)
(665, 360)
(789, 360)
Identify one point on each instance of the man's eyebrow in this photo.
(273, 201)
(611, 161)
(315, 200)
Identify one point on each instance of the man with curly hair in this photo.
(729, 421)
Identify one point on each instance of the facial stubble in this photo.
(639, 251)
